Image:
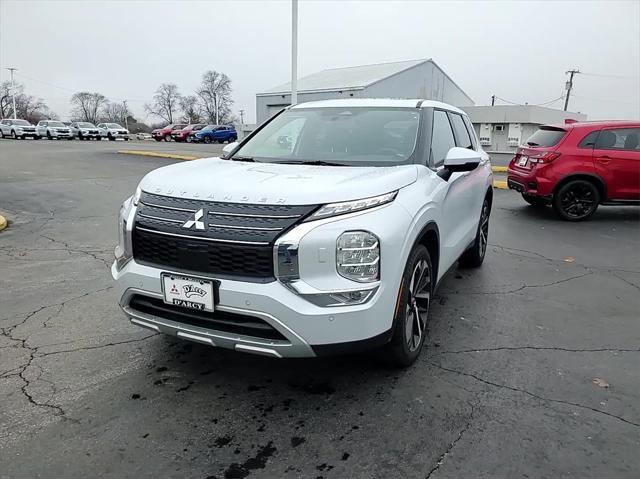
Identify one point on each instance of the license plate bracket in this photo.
(189, 292)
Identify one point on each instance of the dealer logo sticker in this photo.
(191, 290)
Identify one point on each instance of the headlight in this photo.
(358, 256)
(334, 209)
(136, 196)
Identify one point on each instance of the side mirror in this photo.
(228, 148)
(459, 160)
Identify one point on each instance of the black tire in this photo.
(474, 256)
(157, 138)
(207, 140)
(412, 317)
(48, 135)
(534, 200)
(126, 139)
(111, 138)
(232, 139)
(189, 139)
(167, 137)
(577, 200)
(37, 137)
(1, 134)
(13, 135)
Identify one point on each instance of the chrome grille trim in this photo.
(202, 238)
(168, 220)
(253, 228)
(152, 205)
(246, 215)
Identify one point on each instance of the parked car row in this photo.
(54, 129)
(196, 133)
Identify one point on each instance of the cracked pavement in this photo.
(504, 388)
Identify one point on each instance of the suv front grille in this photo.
(237, 239)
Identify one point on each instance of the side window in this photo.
(442, 139)
(463, 140)
(589, 141)
(627, 139)
(472, 132)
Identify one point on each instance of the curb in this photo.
(500, 184)
(499, 169)
(3, 222)
(157, 154)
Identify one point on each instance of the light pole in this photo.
(126, 114)
(13, 92)
(215, 102)
(294, 52)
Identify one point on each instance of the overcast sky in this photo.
(516, 50)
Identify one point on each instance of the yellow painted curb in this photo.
(500, 184)
(499, 169)
(157, 154)
(3, 222)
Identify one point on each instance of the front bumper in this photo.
(307, 329)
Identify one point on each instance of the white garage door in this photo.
(273, 109)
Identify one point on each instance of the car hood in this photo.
(214, 179)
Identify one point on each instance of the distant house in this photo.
(406, 79)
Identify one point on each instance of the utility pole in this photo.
(13, 92)
(493, 100)
(569, 86)
(126, 114)
(242, 117)
(294, 52)
(215, 102)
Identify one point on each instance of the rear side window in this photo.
(442, 139)
(619, 139)
(590, 140)
(463, 140)
(546, 136)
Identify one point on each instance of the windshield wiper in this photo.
(242, 158)
(532, 143)
(315, 162)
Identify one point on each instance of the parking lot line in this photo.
(158, 154)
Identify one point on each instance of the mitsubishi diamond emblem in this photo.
(197, 216)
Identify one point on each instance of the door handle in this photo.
(603, 159)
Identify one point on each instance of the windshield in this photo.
(56, 123)
(546, 136)
(85, 125)
(113, 125)
(359, 136)
(21, 122)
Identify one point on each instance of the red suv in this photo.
(165, 133)
(577, 166)
(183, 134)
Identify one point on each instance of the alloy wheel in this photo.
(484, 229)
(417, 310)
(578, 201)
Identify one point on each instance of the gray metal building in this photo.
(407, 79)
(502, 128)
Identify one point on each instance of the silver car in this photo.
(53, 129)
(84, 130)
(113, 131)
(16, 128)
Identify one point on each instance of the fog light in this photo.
(351, 297)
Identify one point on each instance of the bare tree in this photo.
(215, 96)
(87, 106)
(28, 107)
(115, 112)
(166, 102)
(190, 109)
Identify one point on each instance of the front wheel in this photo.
(13, 135)
(474, 256)
(167, 137)
(577, 200)
(412, 312)
(49, 136)
(111, 138)
(207, 140)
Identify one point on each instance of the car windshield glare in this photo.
(85, 125)
(113, 125)
(21, 122)
(353, 136)
(56, 124)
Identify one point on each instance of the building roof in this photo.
(520, 114)
(376, 103)
(349, 78)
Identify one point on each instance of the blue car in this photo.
(215, 134)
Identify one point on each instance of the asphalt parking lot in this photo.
(531, 368)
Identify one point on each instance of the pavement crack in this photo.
(444, 455)
(533, 395)
(523, 287)
(537, 348)
(88, 252)
(99, 346)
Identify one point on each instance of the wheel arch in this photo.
(429, 237)
(595, 179)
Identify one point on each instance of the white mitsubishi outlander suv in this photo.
(325, 231)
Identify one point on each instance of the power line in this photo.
(620, 77)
